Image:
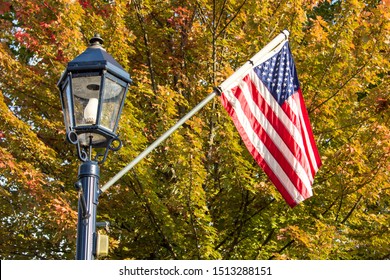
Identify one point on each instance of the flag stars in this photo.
(278, 75)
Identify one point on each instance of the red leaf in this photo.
(5, 8)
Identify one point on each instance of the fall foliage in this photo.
(199, 195)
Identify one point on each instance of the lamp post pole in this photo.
(87, 185)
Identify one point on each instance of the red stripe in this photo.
(259, 159)
(308, 128)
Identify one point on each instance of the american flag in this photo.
(268, 110)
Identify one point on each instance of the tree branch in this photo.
(141, 20)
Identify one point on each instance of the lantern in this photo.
(93, 89)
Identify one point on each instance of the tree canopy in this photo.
(199, 195)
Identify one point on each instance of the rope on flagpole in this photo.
(217, 91)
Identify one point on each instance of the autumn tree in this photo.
(199, 195)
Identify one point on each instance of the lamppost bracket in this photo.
(104, 225)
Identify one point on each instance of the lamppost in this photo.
(93, 89)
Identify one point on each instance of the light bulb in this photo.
(90, 111)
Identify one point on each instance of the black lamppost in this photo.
(93, 89)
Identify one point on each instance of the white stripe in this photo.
(296, 107)
(273, 134)
(274, 105)
(261, 149)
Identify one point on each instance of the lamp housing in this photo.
(93, 89)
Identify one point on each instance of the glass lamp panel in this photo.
(66, 106)
(86, 99)
(112, 100)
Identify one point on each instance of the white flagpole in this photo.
(255, 60)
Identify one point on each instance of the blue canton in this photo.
(279, 75)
